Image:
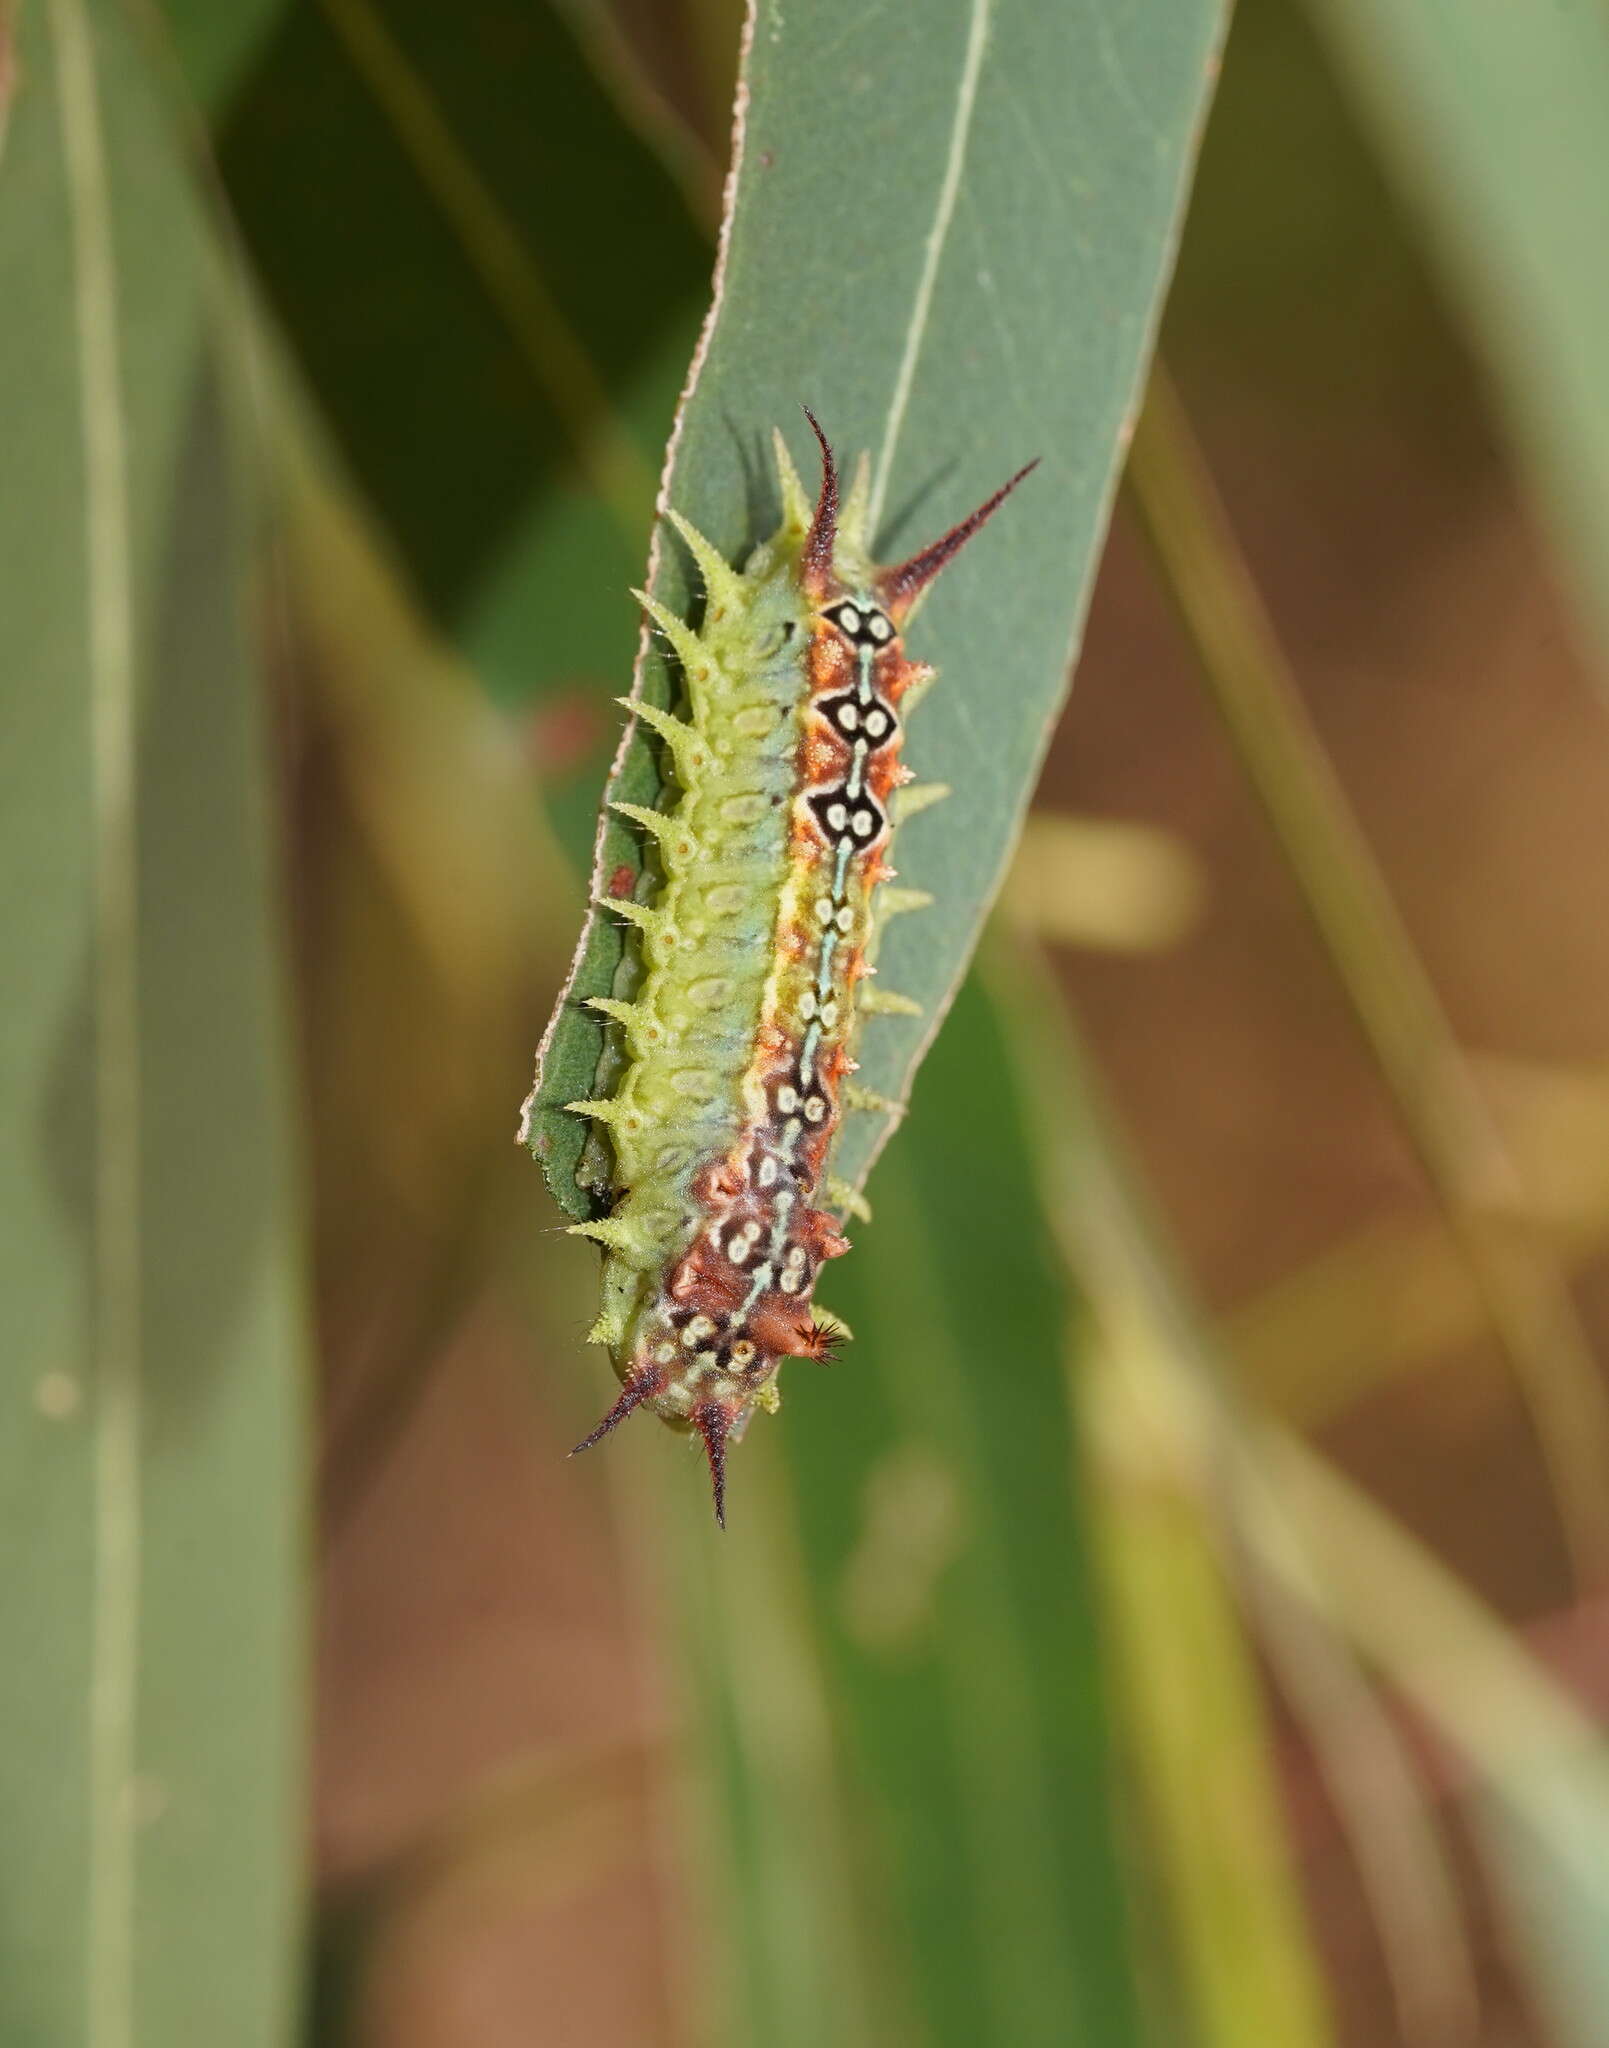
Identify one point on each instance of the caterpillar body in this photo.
(755, 960)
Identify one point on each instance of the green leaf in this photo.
(948, 234)
(1496, 121)
(150, 1453)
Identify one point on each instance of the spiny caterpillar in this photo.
(755, 956)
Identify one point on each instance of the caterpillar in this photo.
(755, 959)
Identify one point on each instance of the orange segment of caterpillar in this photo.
(753, 960)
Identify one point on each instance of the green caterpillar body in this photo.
(755, 956)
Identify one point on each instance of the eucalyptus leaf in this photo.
(948, 232)
(151, 1452)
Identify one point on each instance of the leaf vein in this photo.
(933, 253)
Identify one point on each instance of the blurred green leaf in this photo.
(1195, 1725)
(150, 1459)
(949, 233)
(920, 1589)
(808, 1948)
(1496, 120)
(492, 287)
(458, 287)
(1198, 1731)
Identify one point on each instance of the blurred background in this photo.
(1181, 1614)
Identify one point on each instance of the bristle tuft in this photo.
(820, 1341)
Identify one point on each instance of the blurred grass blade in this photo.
(1540, 1769)
(1196, 1724)
(1540, 1766)
(1496, 120)
(1187, 1440)
(1193, 1721)
(150, 1783)
(948, 232)
(1549, 1869)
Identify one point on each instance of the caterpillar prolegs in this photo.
(755, 959)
